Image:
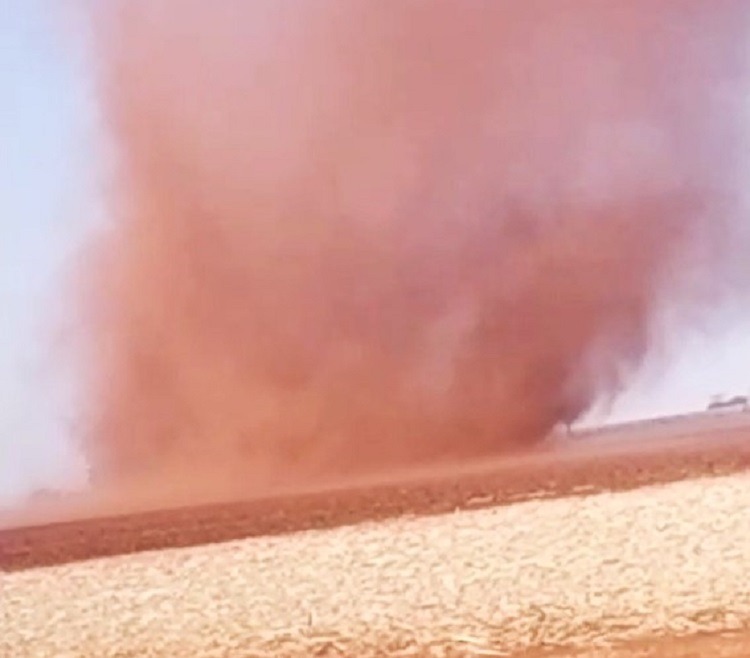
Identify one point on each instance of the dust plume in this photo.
(352, 235)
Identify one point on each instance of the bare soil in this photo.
(573, 470)
(674, 554)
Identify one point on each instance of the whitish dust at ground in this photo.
(350, 235)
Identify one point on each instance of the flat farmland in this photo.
(591, 547)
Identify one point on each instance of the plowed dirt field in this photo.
(603, 549)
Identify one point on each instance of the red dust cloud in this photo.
(350, 236)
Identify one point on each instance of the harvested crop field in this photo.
(576, 470)
(649, 558)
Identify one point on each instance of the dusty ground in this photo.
(528, 574)
(728, 644)
(579, 469)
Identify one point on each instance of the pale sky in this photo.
(48, 198)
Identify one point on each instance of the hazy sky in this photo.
(48, 197)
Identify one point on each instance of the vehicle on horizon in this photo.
(735, 403)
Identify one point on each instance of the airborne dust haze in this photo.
(353, 235)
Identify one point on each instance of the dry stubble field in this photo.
(649, 557)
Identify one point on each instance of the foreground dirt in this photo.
(728, 644)
(553, 575)
(601, 550)
(576, 470)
